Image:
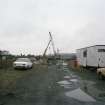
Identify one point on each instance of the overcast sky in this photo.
(24, 24)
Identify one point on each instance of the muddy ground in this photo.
(54, 85)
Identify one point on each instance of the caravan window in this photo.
(101, 50)
(85, 53)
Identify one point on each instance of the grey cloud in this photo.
(91, 34)
(25, 23)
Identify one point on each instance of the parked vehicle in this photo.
(93, 56)
(101, 73)
(22, 63)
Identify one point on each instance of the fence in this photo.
(6, 61)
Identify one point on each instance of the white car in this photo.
(22, 63)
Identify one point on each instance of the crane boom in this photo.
(46, 48)
(53, 46)
(52, 43)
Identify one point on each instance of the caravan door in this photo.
(101, 57)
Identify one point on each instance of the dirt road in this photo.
(51, 85)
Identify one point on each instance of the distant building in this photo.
(4, 53)
(68, 56)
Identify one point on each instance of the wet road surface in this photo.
(57, 86)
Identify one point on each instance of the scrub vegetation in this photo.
(9, 77)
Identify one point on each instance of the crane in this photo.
(51, 42)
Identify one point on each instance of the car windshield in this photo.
(23, 60)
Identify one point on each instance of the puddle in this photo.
(73, 80)
(64, 64)
(80, 95)
(66, 77)
(64, 82)
(65, 70)
(74, 76)
(69, 84)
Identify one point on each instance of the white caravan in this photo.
(93, 56)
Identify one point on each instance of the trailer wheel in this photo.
(100, 76)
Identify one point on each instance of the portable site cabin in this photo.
(93, 56)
